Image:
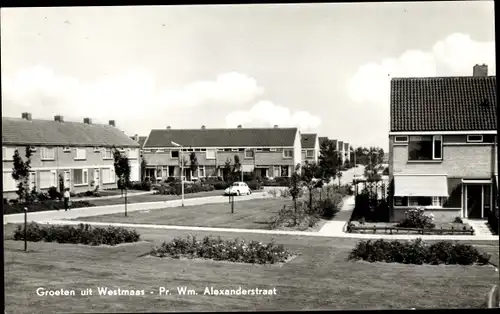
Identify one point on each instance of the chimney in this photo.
(59, 118)
(26, 116)
(203, 127)
(275, 126)
(135, 137)
(480, 70)
(112, 122)
(168, 127)
(87, 120)
(239, 126)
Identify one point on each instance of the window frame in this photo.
(434, 138)
(85, 177)
(272, 149)
(136, 153)
(9, 174)
(309, 151)
(475, 141)
(111, 177)
(104, 151)
(286, 150)
(46, 150)
(52, 173)
(10, 156)
(234, 149)
(77, 149)
(249, 150)
(400, 136)
(274, 171)
(175, 151)
(97, 149)
(212, 151)
(258, 149)
(66, 149)
(31, 184)
(203, 170)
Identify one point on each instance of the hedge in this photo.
(223, 250)
(418, 252)
(15, 208)
(83, 234)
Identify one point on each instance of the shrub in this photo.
(83, 234)
(16, 208)
(416, 218)
(220, 185)
(273, 192)
(223, 250)
(458, 220)
(53, 193)
(386, 171)
(141, 186)
(330, 206)
(493, 221)
(418, 252)
(254, 185)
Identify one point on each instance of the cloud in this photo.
(126, 97)
(267, 114)
(453, 56)
(370, 86)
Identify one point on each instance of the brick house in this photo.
(443, 145)
(310, 147)
(271, 152)
(80, 153)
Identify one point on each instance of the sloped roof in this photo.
(465, 103)
(17, 131)
(239, 137)
(341, 145)
(346, 146)
(308, 140)
(322, 139)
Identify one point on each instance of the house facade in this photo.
(310, 147)
(346, 156)
(270, 152)
(79, 154)
(443, 145)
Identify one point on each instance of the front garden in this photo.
(416, 221)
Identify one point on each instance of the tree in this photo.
(328, 160)
(122, 171)
(144, 164)
(294, 188)
(21, 173)
(227, 171)
(339, 175)
(193, 162)
(310, 173)
(237, 167)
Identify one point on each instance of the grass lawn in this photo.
(319, 278)
(151, 198)
(111, 192)
(251, 214)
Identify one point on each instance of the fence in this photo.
(392, 230)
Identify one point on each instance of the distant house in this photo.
(310, 147)
(140, 140)
(78, 152)
(443, 145)
(346, 156)
(270, 152)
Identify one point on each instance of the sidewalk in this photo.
(120, 208)
(91, 198)
(335, 227)
(279, 232)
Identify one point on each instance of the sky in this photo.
(324, 68)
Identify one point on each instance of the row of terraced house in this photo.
(81, 153)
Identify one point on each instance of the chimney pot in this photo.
(168, 127)
(112, 122)
(59, 118)
(26, 116)
(87, 120)
(239, 126)
(203, 127)
(480, 70)
(275, 126)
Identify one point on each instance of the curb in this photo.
(492, 301)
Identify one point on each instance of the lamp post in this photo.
(182, 169)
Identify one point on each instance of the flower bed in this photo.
(83, 234)
(16, 208)
(176, 188)
(418, 252)
(223, 250)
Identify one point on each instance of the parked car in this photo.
(238, 188)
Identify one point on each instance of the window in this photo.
(81, 154)
(284, 171)
(47, 153)
(249, 153)
(265, 149)
(433, 201)
(234, 149)
(277, 171)
(272, 149)
(8, 153)
(210, 154)
(287, 153)
(419, 201)
(108, 175)
(133, 153)
(147, 150)
(66, 149)
(32, 180)
(107, 153)
(203, 150)
(401, 139)
(229, 149)
(258, 149)
(201, 171)
(474, 138)
(48, 179)
(197, 150)
(97, 149)
(80, 176)
(160, 150)
(174, 154)
(220, 149)
(310, 153)
(437, 201)
(425, 147)
(9, 184)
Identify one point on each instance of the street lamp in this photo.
(181, 156)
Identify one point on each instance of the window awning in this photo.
(247, 168)
(421, 185)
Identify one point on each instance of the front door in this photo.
(67, 180)
(474, 201)
(97, 178)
